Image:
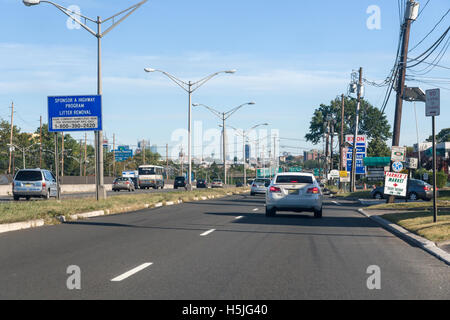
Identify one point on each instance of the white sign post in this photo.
(395, 184)
(433, 109)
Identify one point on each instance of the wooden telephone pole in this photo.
(11, 138)
(410, 16)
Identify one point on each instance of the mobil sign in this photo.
(395, 184)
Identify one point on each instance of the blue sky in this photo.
(291, 56)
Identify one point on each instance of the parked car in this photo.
(259, 185)
(239, 184)
(201, 184)
(180, 182)
(417, 189)
(123, 183)
(294, 191)
(34, 183)
(217, 183)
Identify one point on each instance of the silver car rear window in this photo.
(28, 176)
(294, 179)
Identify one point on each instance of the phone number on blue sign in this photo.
(74, 123)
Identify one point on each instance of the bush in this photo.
(441, 179)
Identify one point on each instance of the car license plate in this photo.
(293, 191)
(28, 185)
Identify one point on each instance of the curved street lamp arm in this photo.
(131, 9)
(214, 111)
(201, 82)
(229, 113)
(71, 14)
(181, 83)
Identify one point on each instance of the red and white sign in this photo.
(395, 184)
(433, 102)
(359, 139)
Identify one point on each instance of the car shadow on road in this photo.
(305, 219)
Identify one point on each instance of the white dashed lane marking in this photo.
(131, 272)
(207, 232)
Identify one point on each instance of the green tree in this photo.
(442, 136)
(372, 122)
(378, 148)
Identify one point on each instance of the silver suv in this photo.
(36, 183)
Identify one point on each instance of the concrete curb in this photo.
(21, 225)
(427, 245)
(39, 223)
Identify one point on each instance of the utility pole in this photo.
(143, 151)
(331, 144)
(410, 15)
(57, 166)
(114, 155)
(85, 153)
(62, 154)
(167, 160)
(327, 146)
(341, 142)
(11, 138)
(355, 135)
(40, 141)
(81, 159)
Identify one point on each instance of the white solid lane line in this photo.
(207, 232)
(132, 271)
(337, 203)
(256, 209)
(237, 218)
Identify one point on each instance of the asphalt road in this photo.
(218, 249)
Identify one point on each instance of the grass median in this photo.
(48, 210)
(357, 195)
(421, 223)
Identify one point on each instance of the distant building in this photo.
(311, 155)
(143, 143)
(247, 152)
(154, 149)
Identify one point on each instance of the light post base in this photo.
(101, 192)
(189, 187)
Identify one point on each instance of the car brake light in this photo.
(274, 189)
(314, 190)
(43, 185)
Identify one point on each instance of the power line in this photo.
(430, 50)
(435, 26)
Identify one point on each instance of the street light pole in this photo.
(100, 190)
(189, 87)
(224, 116)
(244, 136)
